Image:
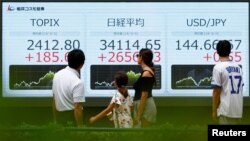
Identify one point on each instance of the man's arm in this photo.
(54, 110)
(215, 102)
(78, 113)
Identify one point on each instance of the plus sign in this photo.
(101, 57)
(207, 57)
(29, 57)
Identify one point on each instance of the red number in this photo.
(234, 56)
(157, 57)
(231, 56)
(66, 56)
(111, 59)
(128, 56)
(46, 57)
(38, 57)
(237, 55)
(55, 57)
(216, 57)
(119, 57)
(135, 57)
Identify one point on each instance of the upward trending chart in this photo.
(32, 76)
(102, 76)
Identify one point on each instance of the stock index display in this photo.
(36, 38)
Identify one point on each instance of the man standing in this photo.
(68, 90)
(227, 83)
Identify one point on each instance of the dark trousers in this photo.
(65, 118)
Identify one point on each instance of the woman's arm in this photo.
(143, 100)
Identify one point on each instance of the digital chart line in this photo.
(104, 83)
(23, 84)
(195, 83)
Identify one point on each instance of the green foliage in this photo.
(132, 77)
(51, 132)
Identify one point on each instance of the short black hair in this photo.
(121, 79)
(223, 48)
(76, 58)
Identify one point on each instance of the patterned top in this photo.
(122, 112)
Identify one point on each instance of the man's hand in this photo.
(214, 116)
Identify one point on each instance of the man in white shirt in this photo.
(68, 89)
(227, 83)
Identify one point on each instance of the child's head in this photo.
(121, 79)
